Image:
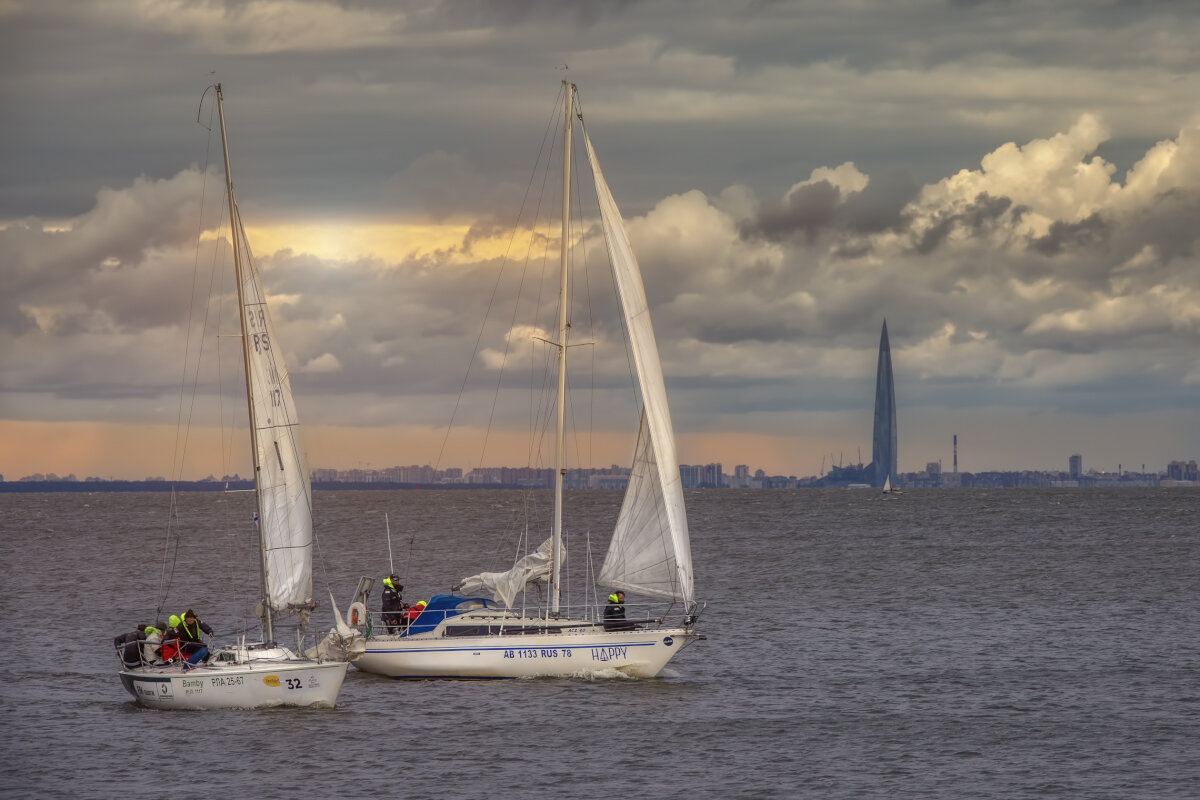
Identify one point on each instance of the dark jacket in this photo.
(189, 636)
(129, 645)
(393, 607)
(614, 616)
(392, 600)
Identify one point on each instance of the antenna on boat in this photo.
(391, 566)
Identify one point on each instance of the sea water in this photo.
(936, 644)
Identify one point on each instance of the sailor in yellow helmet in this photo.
(393, 603)
(614, 613)
(414, 612)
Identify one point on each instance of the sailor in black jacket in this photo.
(393, 603)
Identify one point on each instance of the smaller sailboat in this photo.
(888, 488)
(481, 631)
(257, 675)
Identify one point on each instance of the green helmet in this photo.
(174, 621)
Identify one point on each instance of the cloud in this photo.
(326, 362)
(443, 186)
(106, 268)
(1016, 195)
(259, 26)
(1017, 274)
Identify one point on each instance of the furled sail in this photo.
(532, 569)
(650, 552)
(282, 479)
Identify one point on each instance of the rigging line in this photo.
(520, 287)
(175, 456)
(179, 453)
(587, 293)
(538, 431)
(491, 301)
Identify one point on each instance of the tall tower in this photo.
(883, 439)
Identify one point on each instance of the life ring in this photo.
(358, 614)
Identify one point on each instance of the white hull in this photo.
(637, 653)
(259, 682)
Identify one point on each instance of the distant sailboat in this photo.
(262, 674)
(464, 635)
(888, 488)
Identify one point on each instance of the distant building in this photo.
(741, 477)
(1076, 462)
(883, 439)
(1179, 471)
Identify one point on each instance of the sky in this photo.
(1014, 186)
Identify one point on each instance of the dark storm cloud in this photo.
(806, 210)
(1089, 232)
(819, 206)
(974, 219)
(879, 207)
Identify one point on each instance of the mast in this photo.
(560, 440)
(234, 227)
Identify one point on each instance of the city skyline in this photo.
(702, 475)
(1012, 186)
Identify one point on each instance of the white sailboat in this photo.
(888, 488)
(263, 674)
(464, 636)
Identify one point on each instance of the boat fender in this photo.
(358, 614)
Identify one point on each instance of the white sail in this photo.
(469, 637)
(650, 552)
(503, 587)
(258, 675)
(282, 477)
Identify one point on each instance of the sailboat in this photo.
(888, 488)
(468, 634)
(256, 675)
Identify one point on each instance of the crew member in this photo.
(393, 602)
(191, 645)
(413, 612)
(614, 613)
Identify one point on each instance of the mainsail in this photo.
(504, 586)
(281, 474)
(650, 552)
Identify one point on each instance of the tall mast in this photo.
(234, 227)
(560, 442)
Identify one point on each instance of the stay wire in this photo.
(182, 429)
(491, 301)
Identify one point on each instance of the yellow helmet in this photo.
(421, 604)
(174, 621)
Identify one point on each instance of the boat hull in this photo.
(638, 653)
(261, 684)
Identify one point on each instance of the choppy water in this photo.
(943, 644)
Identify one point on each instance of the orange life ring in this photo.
(358, 614)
